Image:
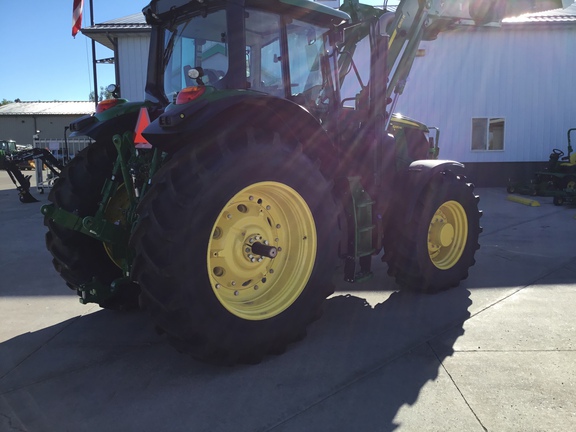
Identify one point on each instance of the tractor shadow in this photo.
(387, 353)
(358, 366)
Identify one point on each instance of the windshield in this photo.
(202, 41)
(264, 54)
(198, 42)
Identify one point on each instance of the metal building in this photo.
(503, 97)
(129, 38)
(30, 123)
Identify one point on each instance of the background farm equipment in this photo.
(557, 179)
(14, 161)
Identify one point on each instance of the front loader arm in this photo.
(418, 20)
(414, 21)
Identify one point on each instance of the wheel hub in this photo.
(256, 249)
(262, 250)
(447, 235)
(441, 233)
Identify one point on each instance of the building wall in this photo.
(133, 58)
(524, 75)
(21, 128)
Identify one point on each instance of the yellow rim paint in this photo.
(447, 235)
(252, 286)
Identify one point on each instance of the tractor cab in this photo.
(276, 50)
(7, 146)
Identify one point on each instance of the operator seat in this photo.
(571, 160)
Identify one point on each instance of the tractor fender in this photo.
(106, 124)
(419, 174)
(198, 122)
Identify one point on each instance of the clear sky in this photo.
(39, 58)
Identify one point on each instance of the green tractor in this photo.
(227, 216)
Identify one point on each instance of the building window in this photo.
(487, 133)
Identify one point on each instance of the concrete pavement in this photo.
(496, 354)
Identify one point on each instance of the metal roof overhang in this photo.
(105, 34)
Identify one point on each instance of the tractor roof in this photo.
(318, 7)
(163, 10)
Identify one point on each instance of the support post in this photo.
(94, 73)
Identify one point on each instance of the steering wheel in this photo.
(558, 152)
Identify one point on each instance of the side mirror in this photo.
(486, 11)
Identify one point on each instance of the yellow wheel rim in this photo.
(115, 212)
(262, 250)
(447, 235)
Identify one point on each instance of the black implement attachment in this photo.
(9, 162)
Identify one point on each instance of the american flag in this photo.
(77, 16)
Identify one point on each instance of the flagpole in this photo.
(94, 56)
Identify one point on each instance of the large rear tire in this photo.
(235, 254)
(78, 258)
(435, 249)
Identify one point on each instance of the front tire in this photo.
(216, 294)
(569, 184)
(434, 250)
